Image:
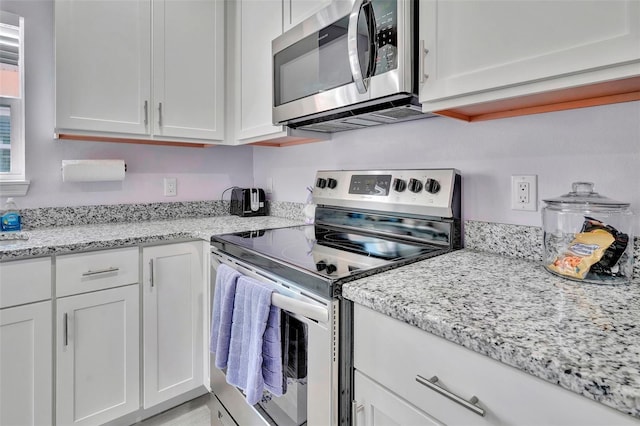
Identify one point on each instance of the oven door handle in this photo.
(298, 307)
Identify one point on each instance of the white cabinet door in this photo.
(377, 406)
(26, 365)
(477, 47)
(394, 354)
(140, 69)
(97, 350)
(173, 315)
(296, 11)
(103, 60)
(257, 23)
(188, 69)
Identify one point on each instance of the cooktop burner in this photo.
(323, 254)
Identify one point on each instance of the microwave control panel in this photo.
(386, 12)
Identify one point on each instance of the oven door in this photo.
(312, 376)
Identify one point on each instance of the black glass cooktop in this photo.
(320, 255)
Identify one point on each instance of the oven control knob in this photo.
(432, 186)
(399, 185)
(332, 183)
(321, 183)
(321, 266)
(415, 185)
(331, 269)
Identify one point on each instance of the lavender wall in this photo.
(599, 144)
(202, 174)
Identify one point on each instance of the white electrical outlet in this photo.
(269, 188)
(170, 187)
(524, 192)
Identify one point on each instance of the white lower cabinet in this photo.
(377, 406)
(173, 318)
(25, 364)
(26, 356)
(390, 355)
(97, 356)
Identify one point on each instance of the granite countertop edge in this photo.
(71, 239)
(444, 306)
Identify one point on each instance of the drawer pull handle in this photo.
(65, 330)
(469, 405)
(101, 271)
(151, 277)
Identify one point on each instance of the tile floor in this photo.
(197, 412)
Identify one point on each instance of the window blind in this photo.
(9, 39)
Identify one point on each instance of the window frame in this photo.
(14, 182)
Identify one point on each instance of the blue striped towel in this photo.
(221, 317)
(255, 352)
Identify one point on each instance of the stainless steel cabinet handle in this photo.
(160, 114)
(151, 272)
(355, 409)
(422, 53)
(65, 330)
(146, 112)
(469, 405)
(101, 271)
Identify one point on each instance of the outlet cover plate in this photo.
(170, 187)
(524, 192)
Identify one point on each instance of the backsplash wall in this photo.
(598, 144)
(202, 174)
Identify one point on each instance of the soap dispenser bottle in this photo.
(10, 220)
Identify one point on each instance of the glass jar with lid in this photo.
(588, 237)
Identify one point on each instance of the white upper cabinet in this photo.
(296, 11)
(103, 52)
(142, 69)
(188, 69)
(257, 22)
(482, 51)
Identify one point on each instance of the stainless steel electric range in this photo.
(366, 222)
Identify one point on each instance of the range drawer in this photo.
(25, 281)
(84, 272)
(394, 354)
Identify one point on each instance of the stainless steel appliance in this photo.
(354, 64)
(365, 222)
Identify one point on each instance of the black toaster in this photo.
(248, 202)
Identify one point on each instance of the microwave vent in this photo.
(401, 113)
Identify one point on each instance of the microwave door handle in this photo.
(373, 32)
(352, 46)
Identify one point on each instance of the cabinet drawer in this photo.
(81, 273)
(25, 281)
(394, 353)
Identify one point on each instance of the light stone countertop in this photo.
(69, 239)
(583, 337)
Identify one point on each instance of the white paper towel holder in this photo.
(93, 170)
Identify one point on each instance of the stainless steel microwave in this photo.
(353, 64)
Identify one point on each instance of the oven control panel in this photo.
(431, 192)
